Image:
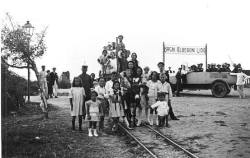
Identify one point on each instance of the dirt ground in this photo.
(210, 127)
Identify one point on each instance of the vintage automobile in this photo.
(220, 83)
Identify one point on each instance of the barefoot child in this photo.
(162, 109)
(76, 98)
(93, 107)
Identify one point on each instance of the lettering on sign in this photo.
(185, 50)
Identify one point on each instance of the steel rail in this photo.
(172, 142)
(138, 141)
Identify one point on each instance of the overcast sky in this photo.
(78, 29)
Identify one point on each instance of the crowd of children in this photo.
(131, 95)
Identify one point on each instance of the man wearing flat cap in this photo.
(87, 85)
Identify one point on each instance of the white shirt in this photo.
(152, 88)
(162, 109)
(101, 92)
(112, 67)
(241, 78)
(109, 86)
(42, 76)
(165, 87)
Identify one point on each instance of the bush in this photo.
(13, 90)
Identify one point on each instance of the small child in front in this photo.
(162, 109)
(93, 110)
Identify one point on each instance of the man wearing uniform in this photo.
(87, 85)
(54, 82)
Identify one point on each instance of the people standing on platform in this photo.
(93, 108)
(54, 82)
(77, 98)
(86, 84)
(241, 79)
(43, 81)
(152, 96)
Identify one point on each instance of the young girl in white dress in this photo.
(116, 109)
(93, 107)
(152, 96)
(76, 98)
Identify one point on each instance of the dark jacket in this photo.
(53, 78)
(87, 85)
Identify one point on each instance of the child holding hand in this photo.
(93, 108)
(162, 109)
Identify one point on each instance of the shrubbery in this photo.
(14, 90)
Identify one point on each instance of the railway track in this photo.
(156, 144)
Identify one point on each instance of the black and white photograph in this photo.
(125, 79)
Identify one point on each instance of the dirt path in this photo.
(211, 127)
(31, 136)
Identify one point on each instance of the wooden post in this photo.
(206, 57)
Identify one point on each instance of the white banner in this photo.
(169, 49)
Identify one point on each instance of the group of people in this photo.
(133, 96)
(225, 67)
(49, 82)
(124, 92)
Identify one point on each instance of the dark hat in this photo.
(160, 63)
(43, 65)
(54, 68)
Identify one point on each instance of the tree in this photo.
(20, 50)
